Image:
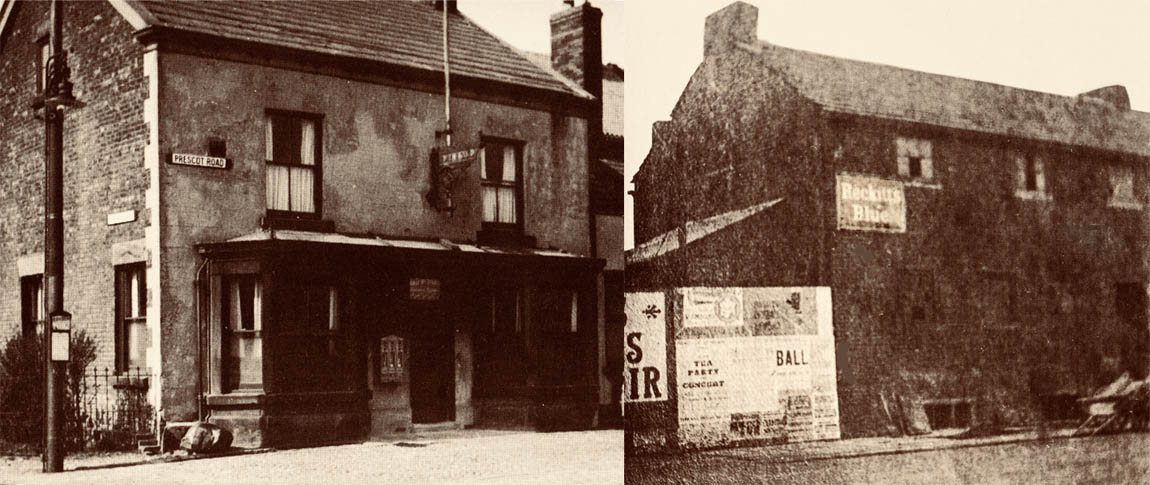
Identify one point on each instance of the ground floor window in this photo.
(312, 351)
(132, 336)
(242, 323)
(31, 305)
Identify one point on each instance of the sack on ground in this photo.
(206, 438)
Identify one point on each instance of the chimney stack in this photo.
(737, 23)
(1115, 95)
(577, 46)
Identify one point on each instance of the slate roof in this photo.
(405, 33)
(883, 91)
(612, 91)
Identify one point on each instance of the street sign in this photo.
(198, 160)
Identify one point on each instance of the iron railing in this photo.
(104, 409)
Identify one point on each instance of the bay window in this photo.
(242, 323)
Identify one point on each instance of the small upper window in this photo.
(1122, 188)
(294, 176)
(42, 68)
(914, 158)
(501, 182)
(1031, 177)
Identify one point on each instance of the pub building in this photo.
(327, 241)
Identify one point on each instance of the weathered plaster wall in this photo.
(376, 145)
(103, 160)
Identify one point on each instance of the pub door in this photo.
(432, 364)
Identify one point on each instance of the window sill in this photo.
(1124, 204)
(1033, 195)
(236, 399)
(922, 184)
(300, 223)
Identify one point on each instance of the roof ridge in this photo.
(764, 45)
(522, 55)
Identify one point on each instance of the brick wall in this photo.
(1005, 286)
(103, 161)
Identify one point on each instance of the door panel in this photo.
(432, 365)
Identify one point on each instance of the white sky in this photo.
(526, 24)
(1061, 46)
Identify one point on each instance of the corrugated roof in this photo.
(884, 91)
(405, 33)
(692, 231)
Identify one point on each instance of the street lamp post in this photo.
(57, 96)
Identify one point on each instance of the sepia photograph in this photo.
(887, 242)
(301, 241)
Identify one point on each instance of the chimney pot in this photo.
(735, 24)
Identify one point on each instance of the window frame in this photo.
(317, 168)
(227, 333)
(910, 148)
(518, 185)
(123, 321)
(1026, 164)
(30, 327)
(215, 366)
(43, 55)
(1134, 202)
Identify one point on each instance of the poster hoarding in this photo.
(773, 381)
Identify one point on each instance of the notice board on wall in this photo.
(772, 378)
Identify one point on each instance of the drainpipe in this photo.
(196, 283)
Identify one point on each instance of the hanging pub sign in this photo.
(197, 160)
(870, 204)
(448, 165)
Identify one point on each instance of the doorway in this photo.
(432, 364)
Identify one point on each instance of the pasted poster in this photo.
(870, 204)
(645, 348)
(776, 382)
(712, 307)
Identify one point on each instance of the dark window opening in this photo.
(915, 166)
(316, 354)
(943, 415)
(217, 148)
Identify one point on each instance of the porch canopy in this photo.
(443, 251)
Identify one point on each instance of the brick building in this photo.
(985, 245)
(265, 207)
